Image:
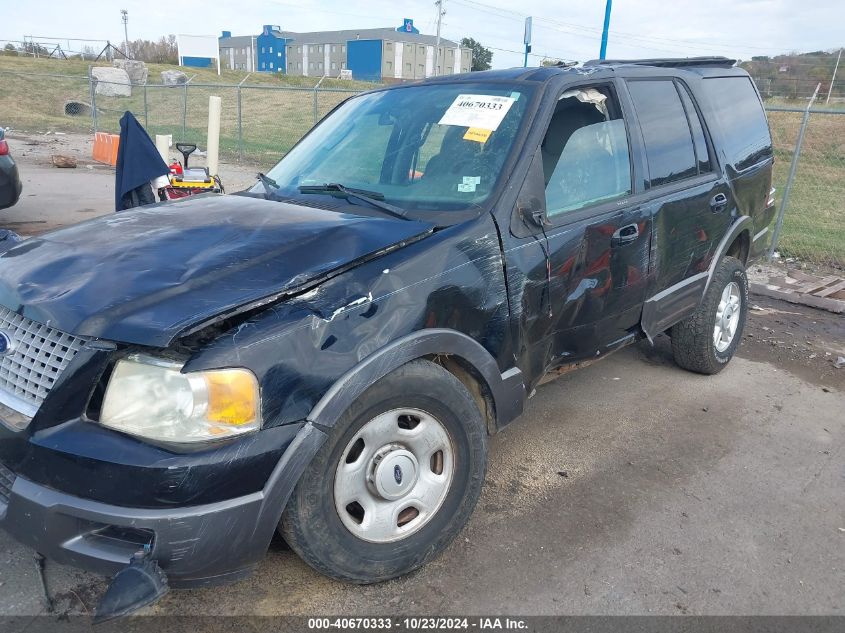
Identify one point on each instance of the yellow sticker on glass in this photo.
(477, 134)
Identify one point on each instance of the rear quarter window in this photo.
(740, 118)
(666, 132)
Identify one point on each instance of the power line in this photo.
(633, 44)
(309, 9)
(562, 27)
(469, 3)
(62, 39)
(681, 43)
(522, 52)
(664, 45)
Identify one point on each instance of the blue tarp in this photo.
(138, 160)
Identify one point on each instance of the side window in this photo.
(666, 132)
(702, 155)
(585, 153)
(740, 118)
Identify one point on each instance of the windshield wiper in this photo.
(269, 183)
(373, 198)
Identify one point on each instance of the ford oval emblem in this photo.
(7, 343)
(397, 474)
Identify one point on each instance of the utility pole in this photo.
(440, 13)
(603, 51)
(832, 79)
(124, 15)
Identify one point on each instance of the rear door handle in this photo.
(626, 234)
(718, 203)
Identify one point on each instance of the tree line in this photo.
(160, 51)
(796, 75)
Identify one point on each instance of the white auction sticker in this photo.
(484, 112)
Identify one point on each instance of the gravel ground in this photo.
(54, 197)
(628, 487)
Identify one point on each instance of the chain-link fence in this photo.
(259, 123)
(810, 182)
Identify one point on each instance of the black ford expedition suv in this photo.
(326, 353)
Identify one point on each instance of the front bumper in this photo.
(195, 545)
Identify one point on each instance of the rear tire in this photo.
(706, 341)
(413, 451)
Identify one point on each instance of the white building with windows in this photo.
(383, 54)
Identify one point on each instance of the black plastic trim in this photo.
(507, 388)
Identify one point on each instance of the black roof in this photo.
(667, 62)
(504, 74)
(532, 73)
(595, 67)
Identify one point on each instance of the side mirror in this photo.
(532, 212)
(531, 203)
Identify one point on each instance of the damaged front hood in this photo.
(146, 275)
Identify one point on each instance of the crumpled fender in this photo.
(507, 389)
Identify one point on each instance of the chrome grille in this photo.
(37, 357)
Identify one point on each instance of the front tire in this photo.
(396, 480)
(706, 341)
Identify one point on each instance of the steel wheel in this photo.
(727, 316)
(393, 475)
(395, 480)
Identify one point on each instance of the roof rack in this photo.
(667, 62)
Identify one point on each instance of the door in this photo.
(690, 202)
(577, 280)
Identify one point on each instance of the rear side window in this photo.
(702, 154)
(741, 120)
(666, 132)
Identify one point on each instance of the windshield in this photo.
(436, 147)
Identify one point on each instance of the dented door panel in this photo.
(591, 300)
(687, 232)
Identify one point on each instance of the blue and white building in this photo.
(383, 54)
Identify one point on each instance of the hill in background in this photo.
(796, 75)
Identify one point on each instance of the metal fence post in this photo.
(793, 168)
(240, 129)
(185, 113)
(316, 108)
(146, 115)
(93, 94)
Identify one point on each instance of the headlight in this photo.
(150, 397)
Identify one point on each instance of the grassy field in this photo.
(814, 222)
(79, 68)
(276, 110)
(819, 104)
(272, 121)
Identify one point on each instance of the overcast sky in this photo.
(567, 29)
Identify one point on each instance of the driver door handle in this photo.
(718, 203)
(625, 234)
